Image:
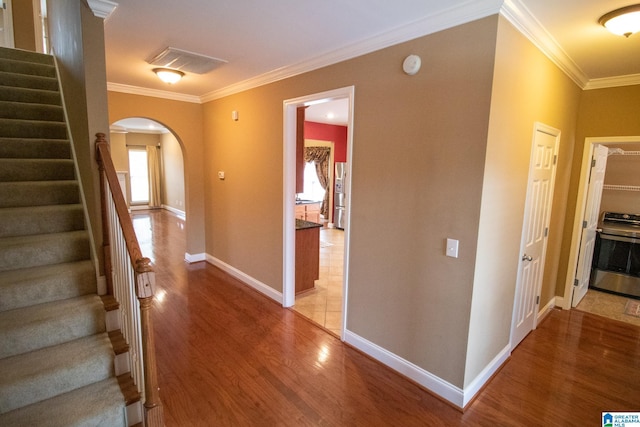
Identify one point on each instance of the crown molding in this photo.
(606, 82)
(136, 90)
(527, 24)
(449, 18)
(513, 10)
(102, 8)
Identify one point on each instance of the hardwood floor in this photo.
(228, 356)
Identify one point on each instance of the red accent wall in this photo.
(324, 132)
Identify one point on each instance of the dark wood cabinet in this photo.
(307, 255)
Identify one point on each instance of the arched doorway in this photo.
(150, 164)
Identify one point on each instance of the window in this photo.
(312, 188)
(139, 176)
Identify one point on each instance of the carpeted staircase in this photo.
(56, 356)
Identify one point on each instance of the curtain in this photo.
(320, 156)
(153, 159)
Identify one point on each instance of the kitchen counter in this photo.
(307, 255)
(303, 225)
(307, 202)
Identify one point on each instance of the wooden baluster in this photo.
(144, 278)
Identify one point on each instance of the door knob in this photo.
(526, 257)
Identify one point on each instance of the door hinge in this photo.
(584, 224)
(537, 299)
(4, 5)
(546, 232)
(555, 159)
(593, 163)
(576, 282)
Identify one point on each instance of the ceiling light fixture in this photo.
(168, 75)
(622, 22)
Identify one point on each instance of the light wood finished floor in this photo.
(228, 356)
(323, 305)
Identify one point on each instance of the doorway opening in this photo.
(139, 176)
(613, 198)
(289, 208)
(150, 165)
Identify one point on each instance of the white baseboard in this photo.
(102, 285)
(453, 394)
(437, 385)
(134, 413)
(245, 278)
(479, 381)
(191, 258)
(174, 210)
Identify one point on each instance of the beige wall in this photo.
(418, 160)
(185, 121)
(602, 113)
(173, 172)
(427, 136)
(77, 40)
(527, 88)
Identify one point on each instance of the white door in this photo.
(590, 223)
(535, 230)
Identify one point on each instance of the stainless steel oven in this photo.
(616, 258)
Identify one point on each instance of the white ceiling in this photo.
(266, 41)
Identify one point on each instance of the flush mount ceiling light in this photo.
(624, 21)
(168, 75)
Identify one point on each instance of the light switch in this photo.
(220, 174)
(452, 248)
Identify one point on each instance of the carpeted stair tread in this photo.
(57, 361)
(25, 55)
(24, 221)
(14, 128)
(39, 285)
(44, 325)
(38, 193)
(36, 169)
(98, 405)
(26, 67)
(31, 111)
(19, 252)
(44, 373)
(31, 148)
(26, 80)
(24, 94)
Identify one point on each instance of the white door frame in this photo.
(555, 133)
(581, 201)
(289, 189)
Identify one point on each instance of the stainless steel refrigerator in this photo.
(340, 196)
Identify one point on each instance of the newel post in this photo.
(145, 288)
(101, 142)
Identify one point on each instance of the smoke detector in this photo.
(183, 60)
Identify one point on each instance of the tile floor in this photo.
(323, 304)
(607, 305)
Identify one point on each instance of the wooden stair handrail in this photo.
(144, 276)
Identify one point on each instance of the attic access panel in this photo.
(183, 60)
